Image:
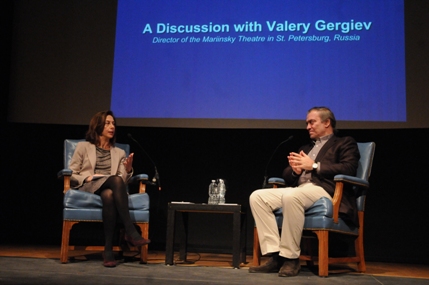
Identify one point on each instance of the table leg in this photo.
(182, 222)
(169, 248)
(243, 238)
(236, 239)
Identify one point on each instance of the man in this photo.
(309, 176)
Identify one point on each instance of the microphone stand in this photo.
(264, 183)
(156, 176)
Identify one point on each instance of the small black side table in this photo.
(183, 208)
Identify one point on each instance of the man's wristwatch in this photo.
(315, 165)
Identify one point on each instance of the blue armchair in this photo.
(323, 217)
(80, 206)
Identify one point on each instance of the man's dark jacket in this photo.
(337, 156)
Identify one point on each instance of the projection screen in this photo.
(215, 64)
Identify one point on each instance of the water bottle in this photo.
(222, 191)
(212, 193)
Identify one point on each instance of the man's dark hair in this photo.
(325, 114)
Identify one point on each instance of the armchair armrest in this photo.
(137, 178)
(351, 180)
(340, 179)
(276, 182)
(142, 180)
(65, 174)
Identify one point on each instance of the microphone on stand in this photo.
(155, 178)
(264, 184)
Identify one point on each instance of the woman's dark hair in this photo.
(96, 127)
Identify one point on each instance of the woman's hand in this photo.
(128, 163)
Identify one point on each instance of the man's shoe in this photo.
(271, 265)
(291, 267)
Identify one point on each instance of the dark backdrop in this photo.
(187, 159)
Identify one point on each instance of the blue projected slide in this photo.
(257, 59)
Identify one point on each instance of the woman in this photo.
(101, 168)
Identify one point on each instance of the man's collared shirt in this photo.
(305, 176)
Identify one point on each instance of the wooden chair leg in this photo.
(323, 237)
(360, 254)
(306, 241)
(359, 246)
(256, 248)
(67, 225)
(144, 228)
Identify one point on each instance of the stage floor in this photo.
(40, 265)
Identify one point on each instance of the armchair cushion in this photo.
(325, 223)
(322, 207)
(81, 205)
(320, 216)
(76, 199)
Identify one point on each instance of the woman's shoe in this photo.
(136, 243)
(108, 263)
